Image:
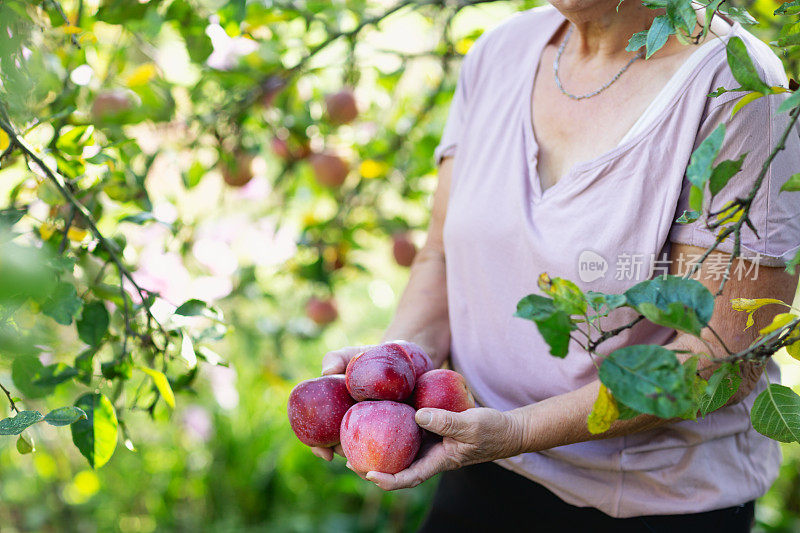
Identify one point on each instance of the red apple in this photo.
(422, 363)
(110, 103)
(330, 170)
(403, 249)
(281, 148)
(322, 312)
(270, 88)
(442, 389)
(383, 372)
(341, 107)
(239, 172)
(380, 436)
(316, 409)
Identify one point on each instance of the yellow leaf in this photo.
(371, 169)
(747, 304)
(142, 75)
(87, 37)
(735, 212)
(162, 384)
(777, 89)
(545, 283)
(746, 99)
(794, 350)
(750, 321)
(46, 231)
(463, 45)
(77, 234)
(71, 30)
(5, 141)
(778, 322)
(604, 412)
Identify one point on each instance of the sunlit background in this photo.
(225, 458)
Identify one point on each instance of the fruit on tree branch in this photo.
(316, 408)
(329, 169)
(341, 107)
(403, 249)
(238, 172)
(322, 312)
(110, 103)
(380, 436)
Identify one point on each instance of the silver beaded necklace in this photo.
(593, 93)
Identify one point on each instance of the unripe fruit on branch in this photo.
(341, 107)
(289, 150)
(380, 436)
(322, 312)
(403, 249)
(316, 409)
(383, 372)
(239, 172)
(330, 170)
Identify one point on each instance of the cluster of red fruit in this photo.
(330, 169)
(370, 409)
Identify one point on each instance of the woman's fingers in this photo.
(335, 362)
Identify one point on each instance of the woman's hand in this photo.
(473, 436)
(335, 362)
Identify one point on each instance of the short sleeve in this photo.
(458, 108)
(756, 129)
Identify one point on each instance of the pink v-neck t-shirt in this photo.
(604, 225)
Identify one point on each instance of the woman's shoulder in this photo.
(513, 38)
(766, 63)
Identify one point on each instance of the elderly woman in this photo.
(560, 143)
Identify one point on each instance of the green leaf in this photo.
(792, 184)
(553, 323)
(567, 296)
(788, 8)
(162, 384)
(139, 218)
(196, 307)
(742, 67)
(723, 384)
(187, 350)
(63, 304)
(64, 416)
(24, 445)
(682, 15)
(664, 291)
(598, 299)
(638, 40)
(193, 176)
(701, 163)
(790, 103)
(649, 379)
(52, 375)
(625, 412)
(723, 172)
(658, 34)
(95, 436)
(93, 324)
(738, 14)
(25, 370)
(696, 198)
(776, 413)
(675, 317)
(688, 217)
(17, 424)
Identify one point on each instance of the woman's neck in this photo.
(602, 31)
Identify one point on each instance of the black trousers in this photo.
(487, 497)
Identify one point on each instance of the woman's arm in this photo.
(479, 435)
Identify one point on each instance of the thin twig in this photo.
(10, 399)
